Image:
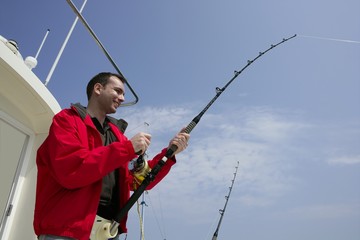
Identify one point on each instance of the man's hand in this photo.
(181, 141)
(141, 142)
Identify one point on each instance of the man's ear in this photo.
(97, 88)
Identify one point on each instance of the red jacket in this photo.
(71, 164)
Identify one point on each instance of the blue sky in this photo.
(291, 119)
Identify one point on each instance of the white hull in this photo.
(26, 111)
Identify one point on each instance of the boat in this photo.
(26, 110)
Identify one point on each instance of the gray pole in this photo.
(143, 204)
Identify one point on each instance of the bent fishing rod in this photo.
(112, 227)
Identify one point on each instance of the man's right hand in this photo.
(141, 142)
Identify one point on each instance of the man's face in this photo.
(111, 95)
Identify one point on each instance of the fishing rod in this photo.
(222, 211)
(92, 33)
(111, 227)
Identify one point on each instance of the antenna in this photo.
(42, 43)
(30, 61)
(222, 211)
(63, 46)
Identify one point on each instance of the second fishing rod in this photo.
(151, 173)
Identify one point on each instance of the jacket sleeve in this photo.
(72, 162)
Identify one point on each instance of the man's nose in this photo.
(121, 97)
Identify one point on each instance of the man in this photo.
(83, 164)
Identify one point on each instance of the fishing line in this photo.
(161, 215)
(161, 230)
(330, 39)
(143, 203)
(170, 151)
(142, 126)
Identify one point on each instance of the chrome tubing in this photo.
(74, 8)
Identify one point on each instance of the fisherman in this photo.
(83, 164)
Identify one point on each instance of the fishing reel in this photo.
(139, 168)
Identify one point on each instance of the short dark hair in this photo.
(101, 78)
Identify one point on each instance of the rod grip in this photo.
(170, 151)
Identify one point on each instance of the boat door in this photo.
(14, 143)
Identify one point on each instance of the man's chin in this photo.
(112, 110)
